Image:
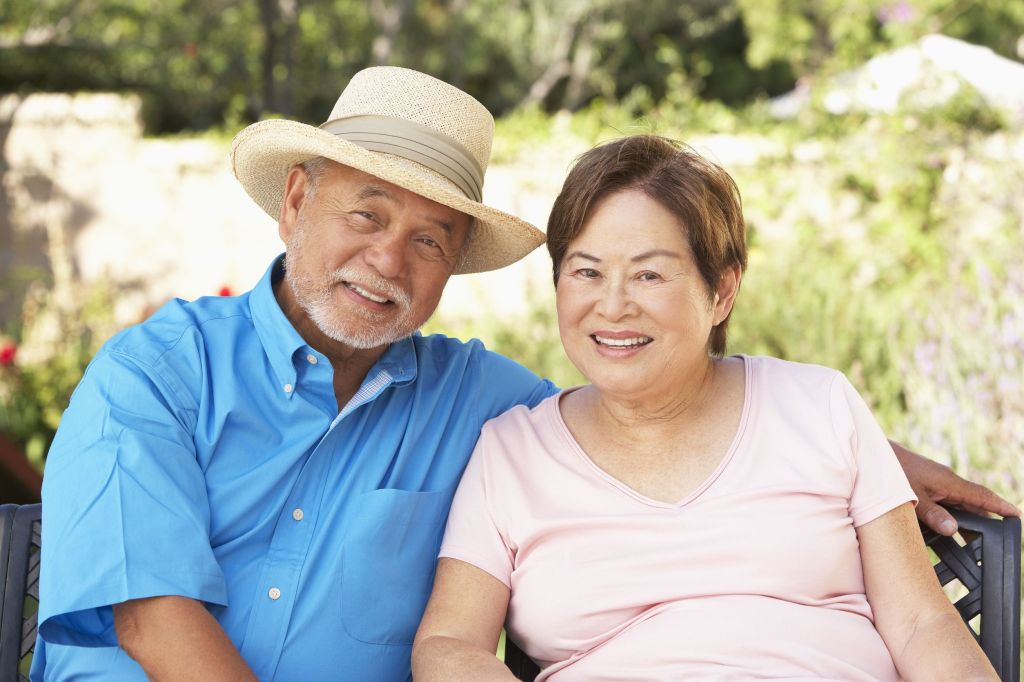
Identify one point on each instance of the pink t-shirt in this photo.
(754, 575)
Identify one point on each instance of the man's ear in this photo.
(296, 187)
(726, 291)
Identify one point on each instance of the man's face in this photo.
(367, 260)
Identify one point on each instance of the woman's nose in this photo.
(615, 301)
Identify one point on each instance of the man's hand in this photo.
(933, 483)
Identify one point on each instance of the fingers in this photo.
(980, 500)
(976, 510)
(935, 517)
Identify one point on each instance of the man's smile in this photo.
(366, 293)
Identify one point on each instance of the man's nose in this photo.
(387, 255)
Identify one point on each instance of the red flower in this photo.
(7, 353)
(224, 291)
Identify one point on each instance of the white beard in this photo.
(361, 329)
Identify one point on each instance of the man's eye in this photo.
(429, 242)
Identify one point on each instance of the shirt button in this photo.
(311, 358)
(287, 388)
(297, 514)
(274, 593)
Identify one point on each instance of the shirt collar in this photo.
(399, 360)
(278, 336)
(281, 340)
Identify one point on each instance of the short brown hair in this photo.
(698, 192)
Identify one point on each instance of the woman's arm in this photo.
(922, 630)
(460, 628)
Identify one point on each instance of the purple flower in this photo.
(896, 13)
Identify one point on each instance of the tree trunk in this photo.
(456, 42)
(280, 23)
(389, 18)
(580, 70)
(268, 17)
(290, 20)
(559, 62)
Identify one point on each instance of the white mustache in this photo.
(372, 281)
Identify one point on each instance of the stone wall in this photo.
(83, 196)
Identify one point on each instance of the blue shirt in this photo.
(204, 455)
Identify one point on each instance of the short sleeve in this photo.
(473, 533)
(125, 510)
(504, 383)
(879, 483)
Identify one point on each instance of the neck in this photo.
(684, 400)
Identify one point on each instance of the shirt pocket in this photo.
(388, 560)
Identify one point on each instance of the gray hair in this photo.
(315, 169)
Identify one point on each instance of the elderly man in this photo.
(255, 487)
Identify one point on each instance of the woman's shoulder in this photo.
(786, 379)
(518, 446)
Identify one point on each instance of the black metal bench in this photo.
(985, 560)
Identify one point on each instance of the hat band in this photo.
(416, 143)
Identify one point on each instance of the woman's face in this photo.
(634, 312)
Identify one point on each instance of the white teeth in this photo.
(635, 341)
(366, 294)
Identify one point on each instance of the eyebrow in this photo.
(646, 255)
(654, 253)
(375, 191)
(443, 224)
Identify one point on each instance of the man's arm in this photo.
(124, 443)
(176, 638)
(934, 483)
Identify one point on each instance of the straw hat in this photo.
(404, 127)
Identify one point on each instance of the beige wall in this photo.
(166, 217)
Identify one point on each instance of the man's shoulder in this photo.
(523, 418)
(181, 326)
(444, 352)
(498, 382)
(440, 344)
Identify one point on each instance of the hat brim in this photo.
(263, 153)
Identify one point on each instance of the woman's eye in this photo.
(648, 276)
(587, 273)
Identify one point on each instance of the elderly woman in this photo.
(685, 515)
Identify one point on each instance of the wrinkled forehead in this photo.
(341, 182)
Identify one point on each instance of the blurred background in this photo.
(879, 147)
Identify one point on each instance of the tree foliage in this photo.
(202, 63)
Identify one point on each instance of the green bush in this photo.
(47, 352)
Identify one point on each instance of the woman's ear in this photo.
(725, 293)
